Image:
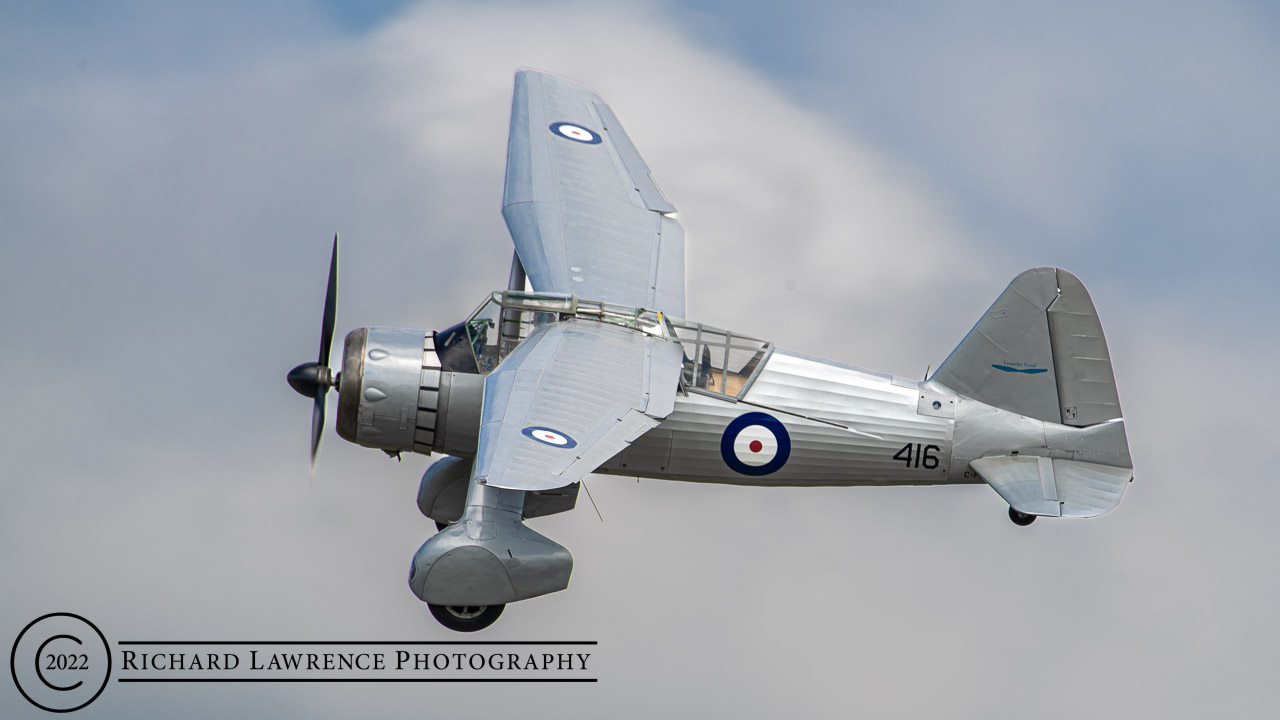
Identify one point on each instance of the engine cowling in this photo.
(394, 396)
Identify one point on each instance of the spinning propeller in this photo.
(313, 380)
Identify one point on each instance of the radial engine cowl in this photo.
(389, 389)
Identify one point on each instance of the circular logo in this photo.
(60, 662)
(755, 443)
(549, 437)
(577, 133)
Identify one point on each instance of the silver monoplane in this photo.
(586, 363)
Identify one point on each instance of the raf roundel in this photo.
(755, 443)
(577, 133)
(547, 436)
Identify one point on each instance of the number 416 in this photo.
(916, 455)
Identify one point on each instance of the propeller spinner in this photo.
(313, 380)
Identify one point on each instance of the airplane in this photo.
(585, 363)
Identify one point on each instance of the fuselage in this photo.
(745, 412)
(803, 421)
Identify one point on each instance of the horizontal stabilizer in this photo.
(1054, 487)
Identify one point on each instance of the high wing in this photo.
(587, 220)
(570, 397)
(585, 214)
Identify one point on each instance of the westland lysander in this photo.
(587, 363)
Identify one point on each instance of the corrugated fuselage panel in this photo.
(803, 421)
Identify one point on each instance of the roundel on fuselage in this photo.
(755, 443)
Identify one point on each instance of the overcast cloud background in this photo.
(856, 183)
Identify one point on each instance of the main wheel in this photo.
(1021, 519)
(466, 618)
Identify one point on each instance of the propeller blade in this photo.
(313, 380)
(317, 426)
(330, 306)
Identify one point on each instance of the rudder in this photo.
(1086, 383)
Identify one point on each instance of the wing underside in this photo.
(586, 216)
(570, 397)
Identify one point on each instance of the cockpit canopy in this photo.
(719, 362)
(716, 362)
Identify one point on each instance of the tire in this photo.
(466, 618)
(1021, 519)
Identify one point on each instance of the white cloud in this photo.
(1140, 133)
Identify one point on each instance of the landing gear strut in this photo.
(466, 618)
(1020, 519)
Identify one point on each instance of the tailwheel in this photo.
(466, 618)
(1021, 519)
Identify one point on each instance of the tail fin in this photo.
(1038, 351)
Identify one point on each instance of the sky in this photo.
(857, 181)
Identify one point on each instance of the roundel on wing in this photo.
(755, 443)
(547, 436)
(577, 133)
